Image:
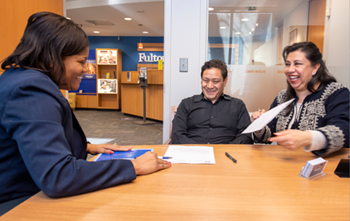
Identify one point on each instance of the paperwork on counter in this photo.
(191, 154)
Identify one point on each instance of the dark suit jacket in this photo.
(42, 146)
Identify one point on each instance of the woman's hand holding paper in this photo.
(257, 114)
(292, 139)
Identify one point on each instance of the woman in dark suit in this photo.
(42, 146)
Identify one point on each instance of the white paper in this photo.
(191, 154)
(99, 140)
(266, 117)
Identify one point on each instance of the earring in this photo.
(313, 74)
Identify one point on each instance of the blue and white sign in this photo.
(150, 57)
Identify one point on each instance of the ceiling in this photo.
(151, 15)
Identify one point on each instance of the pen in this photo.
(165, 158)
(229, 156)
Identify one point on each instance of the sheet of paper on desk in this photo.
(191, 154)
(266, 118)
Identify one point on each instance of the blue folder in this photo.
(125, 155)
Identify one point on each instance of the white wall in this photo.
(266, 53)
(336, 41)
(185, 36)
(297, 17)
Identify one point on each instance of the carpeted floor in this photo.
(119, 127)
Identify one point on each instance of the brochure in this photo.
(125, 155)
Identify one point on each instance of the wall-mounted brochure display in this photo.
(108, 86)
(108, 71)
(106, 56)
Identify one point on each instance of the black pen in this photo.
(229, 156)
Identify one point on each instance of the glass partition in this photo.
(250, 36)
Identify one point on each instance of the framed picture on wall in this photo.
(293, 36)
(106, 57)
(107, 86)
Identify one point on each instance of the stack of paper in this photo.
(191, 154)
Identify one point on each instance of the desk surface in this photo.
(263, 185)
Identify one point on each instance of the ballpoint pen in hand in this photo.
(164, 158)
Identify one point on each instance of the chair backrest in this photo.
(72, 100)
(172, 115)
(72, 95)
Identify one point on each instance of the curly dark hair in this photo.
(216, 63)
(48, 38)
(313, 54)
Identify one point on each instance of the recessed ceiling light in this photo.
(145, 32)
(237, 33)
(253, 29)
(250, 32)
(245, 19)
(96, 32)
(127, 19)
(222, 27)
(210, 9)
(256, 24)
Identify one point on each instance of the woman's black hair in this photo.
(47, 40)
(312, 54)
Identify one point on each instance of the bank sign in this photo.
(150, 57)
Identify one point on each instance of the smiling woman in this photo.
(318, 119)
(76, 67)
(42, 146)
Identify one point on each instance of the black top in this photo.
(199, 121)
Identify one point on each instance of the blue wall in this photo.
(128, 46)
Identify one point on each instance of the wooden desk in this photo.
(263, 185)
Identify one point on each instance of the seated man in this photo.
(211, 117)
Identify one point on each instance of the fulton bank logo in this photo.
(149, 57)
